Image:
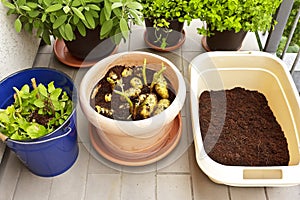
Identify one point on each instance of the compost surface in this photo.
(239, 128)
(117, 108)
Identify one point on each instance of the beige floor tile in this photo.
(97, 167)
(103, 186)
(71, 184)
(138, 186)
(248, 44)
(178, 151)
(42, 60)
(137, 39)
(175, 186)
(55, 63)
(193, 39)
(280, 193)
(238, 193)
(203, 187)
(181, 165)
(46, 48)
(187, 58)
(32, 187)
(9, 176)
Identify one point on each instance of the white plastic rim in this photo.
(264, 62)
(138, 128)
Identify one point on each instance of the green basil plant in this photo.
(60, 18)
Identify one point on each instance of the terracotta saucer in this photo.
(171, 143)
(171, 48)
(63, 55)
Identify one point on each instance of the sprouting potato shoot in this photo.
(161, 87)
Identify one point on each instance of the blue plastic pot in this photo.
(56, 152)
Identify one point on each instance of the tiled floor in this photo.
(175, 177)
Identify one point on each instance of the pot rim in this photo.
(176, 104)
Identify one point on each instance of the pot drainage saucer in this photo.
(171, 48)
(170, 144)
(63, 55)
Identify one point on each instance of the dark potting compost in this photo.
(132, 93)
(239, 128)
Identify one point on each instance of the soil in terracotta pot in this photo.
(240, 129)
(107, 102)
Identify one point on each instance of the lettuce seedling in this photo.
(35, 113)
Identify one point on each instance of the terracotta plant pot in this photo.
(224, 41)
(90, 47)
(133, 138)
(174, 34)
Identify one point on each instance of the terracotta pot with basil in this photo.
(164, 22)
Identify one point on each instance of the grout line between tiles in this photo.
(51, 185)
(156, 186)
(17, 183)
(86, 176)
(173, 173)
(192, 189)
(121, 184)
(229, 193)
(266, 193)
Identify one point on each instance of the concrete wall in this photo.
(17, 50)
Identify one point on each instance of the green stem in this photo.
(18, 96)
(126, 97)
(144, 72)
(157, 75)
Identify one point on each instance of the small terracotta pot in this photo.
(90, 47)
(224, 41)
(133, 137)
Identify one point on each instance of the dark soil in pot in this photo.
(248, 136)
(90, 47)
(173, 34)
(224, 41)
(112, 105)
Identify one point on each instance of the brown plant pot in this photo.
(90, 47)
(224, 41)
(174, 33)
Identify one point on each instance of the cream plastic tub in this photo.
(255, 71)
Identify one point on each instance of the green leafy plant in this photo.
(35, 113)
(237, 15)
(61, 17)
(162, 11)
